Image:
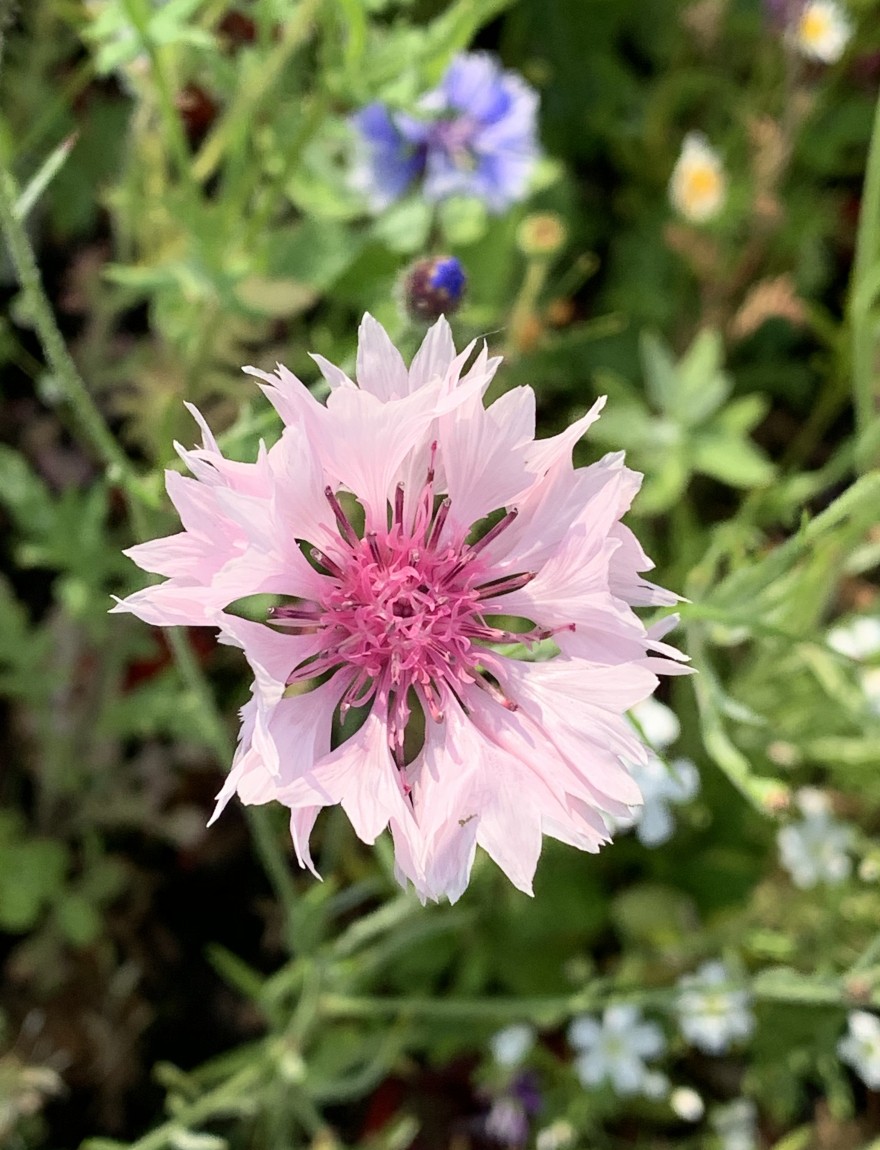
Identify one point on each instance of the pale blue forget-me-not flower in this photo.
(814, 850)
(663, 785)
(615, 1049)
(711, 1014)
(736, 1124)
(860, 1048)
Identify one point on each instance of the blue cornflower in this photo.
(474, 135)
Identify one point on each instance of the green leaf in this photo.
(24, 494)
(277, 299)
(659, 370)
(78, 919)
(731, 460)
(741, 415)
(404, 227)
(463, 220)
(701, 385)
(43, 177)
(314, 254)
(31, 874)
(664, 484)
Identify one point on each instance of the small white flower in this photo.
(735, 1124)
(510, 1045)
(822, 31)
(711, 1015)
(687, 1104)
(659, 724)
(698, 185)
(559, 1135)
(812, 801)
(662, 785)
(814, 850)
(615, 1049)
(859, 638)
(861, 1047)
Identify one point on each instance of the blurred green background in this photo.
(177, 201)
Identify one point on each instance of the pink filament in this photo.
(403, 613)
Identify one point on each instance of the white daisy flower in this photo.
(822, 31)
(698, 186)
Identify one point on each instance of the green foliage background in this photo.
(176, 202)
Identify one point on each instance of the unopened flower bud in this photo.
(541, 234)
(433, 287)
(687, 1104)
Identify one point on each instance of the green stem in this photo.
(226, 1098)
(139, 16)
(271, 855)
(243, 110)
(866, 267)
(552, 1011)
(65, 370)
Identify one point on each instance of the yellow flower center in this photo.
(701, 183)
(815, 25)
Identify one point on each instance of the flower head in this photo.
(858, 638)
(860, 1048)
(662, 784)
(559, 1135)
(735, 1124)
(616, 1049)
(511, 1045)
(419, 541)
(474, 135)
(814, 850)
(711, 1015)
(698, 185)
(822, 30)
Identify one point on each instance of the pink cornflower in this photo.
(421, 542)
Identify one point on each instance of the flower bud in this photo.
(433, 286)
(541, 234)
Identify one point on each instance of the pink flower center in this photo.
(403, 615)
